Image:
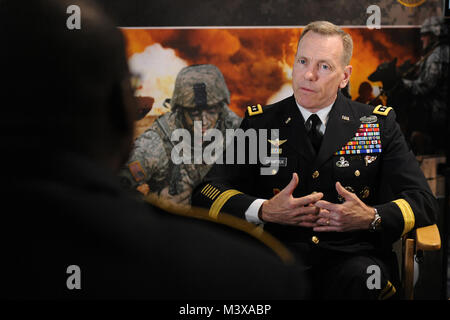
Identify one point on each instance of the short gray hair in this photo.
(326, 28)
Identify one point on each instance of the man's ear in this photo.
(346, 78)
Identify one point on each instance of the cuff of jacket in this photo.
(222, 199)
(397, 219)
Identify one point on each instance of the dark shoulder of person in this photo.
(236, 263)
(126, 249)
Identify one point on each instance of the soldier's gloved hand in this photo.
(353, 214)
(182, 198)
(283, 208)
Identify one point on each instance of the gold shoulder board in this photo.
(382, 110)
(254, 110)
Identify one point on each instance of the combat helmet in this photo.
(199, 86)
(434, 25)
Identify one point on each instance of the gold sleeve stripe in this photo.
(207, 191)
(408, 215)
(204, 188)
(215, 194)
(386, 289)
(210, 192)
(387, 292)
(208, 187)
(220, 202)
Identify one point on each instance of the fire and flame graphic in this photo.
(256, 62)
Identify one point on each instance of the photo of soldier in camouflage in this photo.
(200, 94)
(426, 85)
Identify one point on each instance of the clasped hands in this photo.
(320, 215)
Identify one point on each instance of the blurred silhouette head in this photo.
(365, 90)
(64, 90)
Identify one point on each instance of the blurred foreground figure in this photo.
(70, 231)
(200, 95)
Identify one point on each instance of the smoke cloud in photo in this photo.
(256, 62)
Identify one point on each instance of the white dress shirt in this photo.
(251, 214)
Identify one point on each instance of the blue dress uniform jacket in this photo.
(362, 148)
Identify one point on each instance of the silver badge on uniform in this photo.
(368, 119)
(342, 163)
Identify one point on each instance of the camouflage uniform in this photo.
(150, 162)
(429, 89)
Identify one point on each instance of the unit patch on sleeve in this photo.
(137, 171)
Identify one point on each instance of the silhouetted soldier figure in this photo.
(366, 96)
(71, 232)
(428, 89)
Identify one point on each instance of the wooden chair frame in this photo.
(415, 243)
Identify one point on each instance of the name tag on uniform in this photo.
(280, 162)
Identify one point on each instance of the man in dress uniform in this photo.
(345, 186)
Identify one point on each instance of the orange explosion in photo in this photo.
(256, 62)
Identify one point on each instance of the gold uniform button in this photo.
(315, 174)
(315, 240)
(365, 192)
(357, 173)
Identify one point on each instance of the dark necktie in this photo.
(312, 128)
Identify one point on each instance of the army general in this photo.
(346, 185)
